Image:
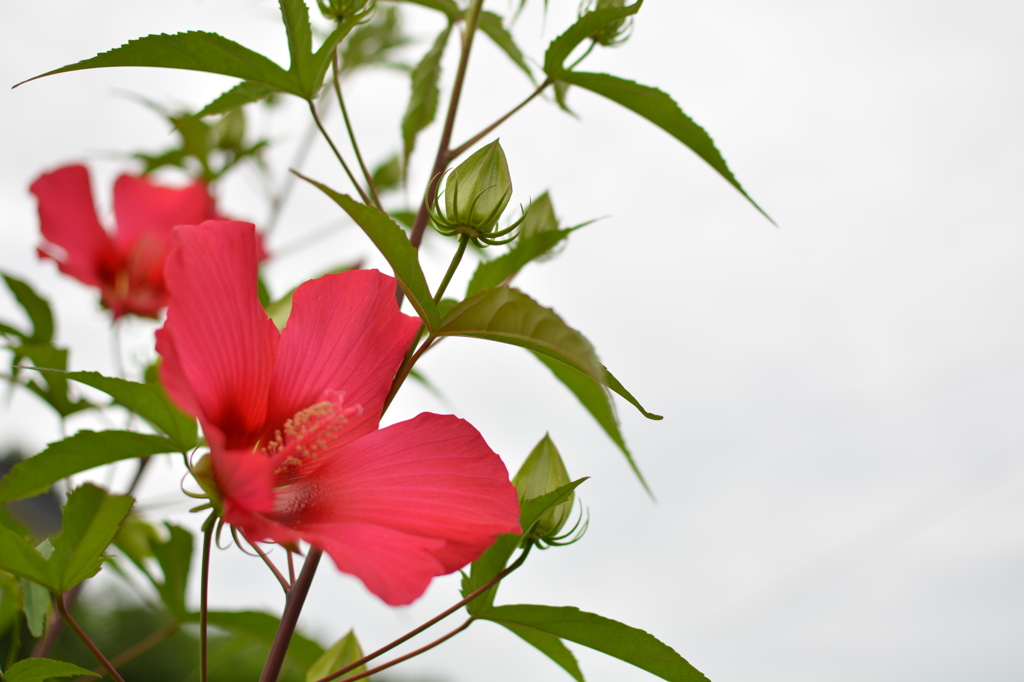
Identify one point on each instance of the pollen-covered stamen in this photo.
(308, 434)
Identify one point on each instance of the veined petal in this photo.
(432, 477)
(345, 333)
(67, 217)
(149, 212)
(245, 482)
(218, 344)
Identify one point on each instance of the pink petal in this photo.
(245, 481)
(218, 344)
(430, 484)
(347, 334)
(67, 217)
(149, 212)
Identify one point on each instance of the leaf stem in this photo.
(337, 154)
(351, 135)
(452, 267)
(285, 585)
(430, 623)
(66, 615)
(462, 148)
(290, 617)
(441, 160)
(403, 371)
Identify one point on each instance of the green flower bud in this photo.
(479, 188)
(340, 10)
(617, 31)
(542, 473)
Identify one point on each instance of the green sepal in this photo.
(610, 637)
(395, 246)
(80, 452)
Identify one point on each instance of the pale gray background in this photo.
(839, 470)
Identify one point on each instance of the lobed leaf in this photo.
(149, 401)
(91, 520)
(394, 245)
(244, 93)
(620, 641)
(342, 653)
(37, 309)
(422, 107)
(55, 390)
(491, 24)
(507, 315)
(192, 51)
(19, 557)
(295, 15)
(35, 601)
(38, 669)
(80, 452)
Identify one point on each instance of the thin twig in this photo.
(285, 585)
(66, 615)
(204, 603)
(337, 154)
(351, 135)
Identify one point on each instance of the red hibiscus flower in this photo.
(292, 420)
(128, 266)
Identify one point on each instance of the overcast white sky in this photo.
(839, 470)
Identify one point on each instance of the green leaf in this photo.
(175, 559)
(550, 646)
(394, 245)
(37, 669)
(661, 110)
(77, 453)
(372, 42)
(192, 51)
(263, 628)
(149, 401)
(494, 560)
(493, 273)
(596, 400)
(300, 38)
(491, 24)
(320, 61)
(448, 7)
(36, 307)
(19, 557)
(507, 315)
(424, 95)
(54, 389)
(601, 634)
(91, 520)
(240, 95)
(342, 653)
(560, 48)
(36, 603)
(614, 384)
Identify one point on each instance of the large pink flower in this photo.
(292, 420)
(128, 266)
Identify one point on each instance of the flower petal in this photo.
(218, 344)
(430, 485)
(149, 212)
(345, 333)
(67, 218)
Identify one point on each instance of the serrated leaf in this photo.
(492, 25)
(91, 520)
(295, 15)
(322, 58)
(263, 628)
(620, 641)
(550, 646)
(77, 453)
(342, 653)
(19, 557)
(494, 560)
(36, 307)
(596, 400)
(507, 315)
(37, 669)
(149, 401)
(175, 559)
(448, 7)
(661, 110)
(493, 273)
(192, 51)
(560, 48)
(394, 245)
(244, 93)
(423, 96)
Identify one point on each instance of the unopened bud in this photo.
(479, 188)
(340, 10)
(613, 33)
(543, 472)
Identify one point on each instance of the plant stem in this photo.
(430, 623)
(456, 259)
(462, 148)
(337, 154)
(351, 134)
(141, 647)
(204, 598)
(66, 615)
(411, 654)
(441, 160)
(403, 371)
(285, 585)
(290, 617)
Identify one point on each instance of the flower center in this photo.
(309, 433)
